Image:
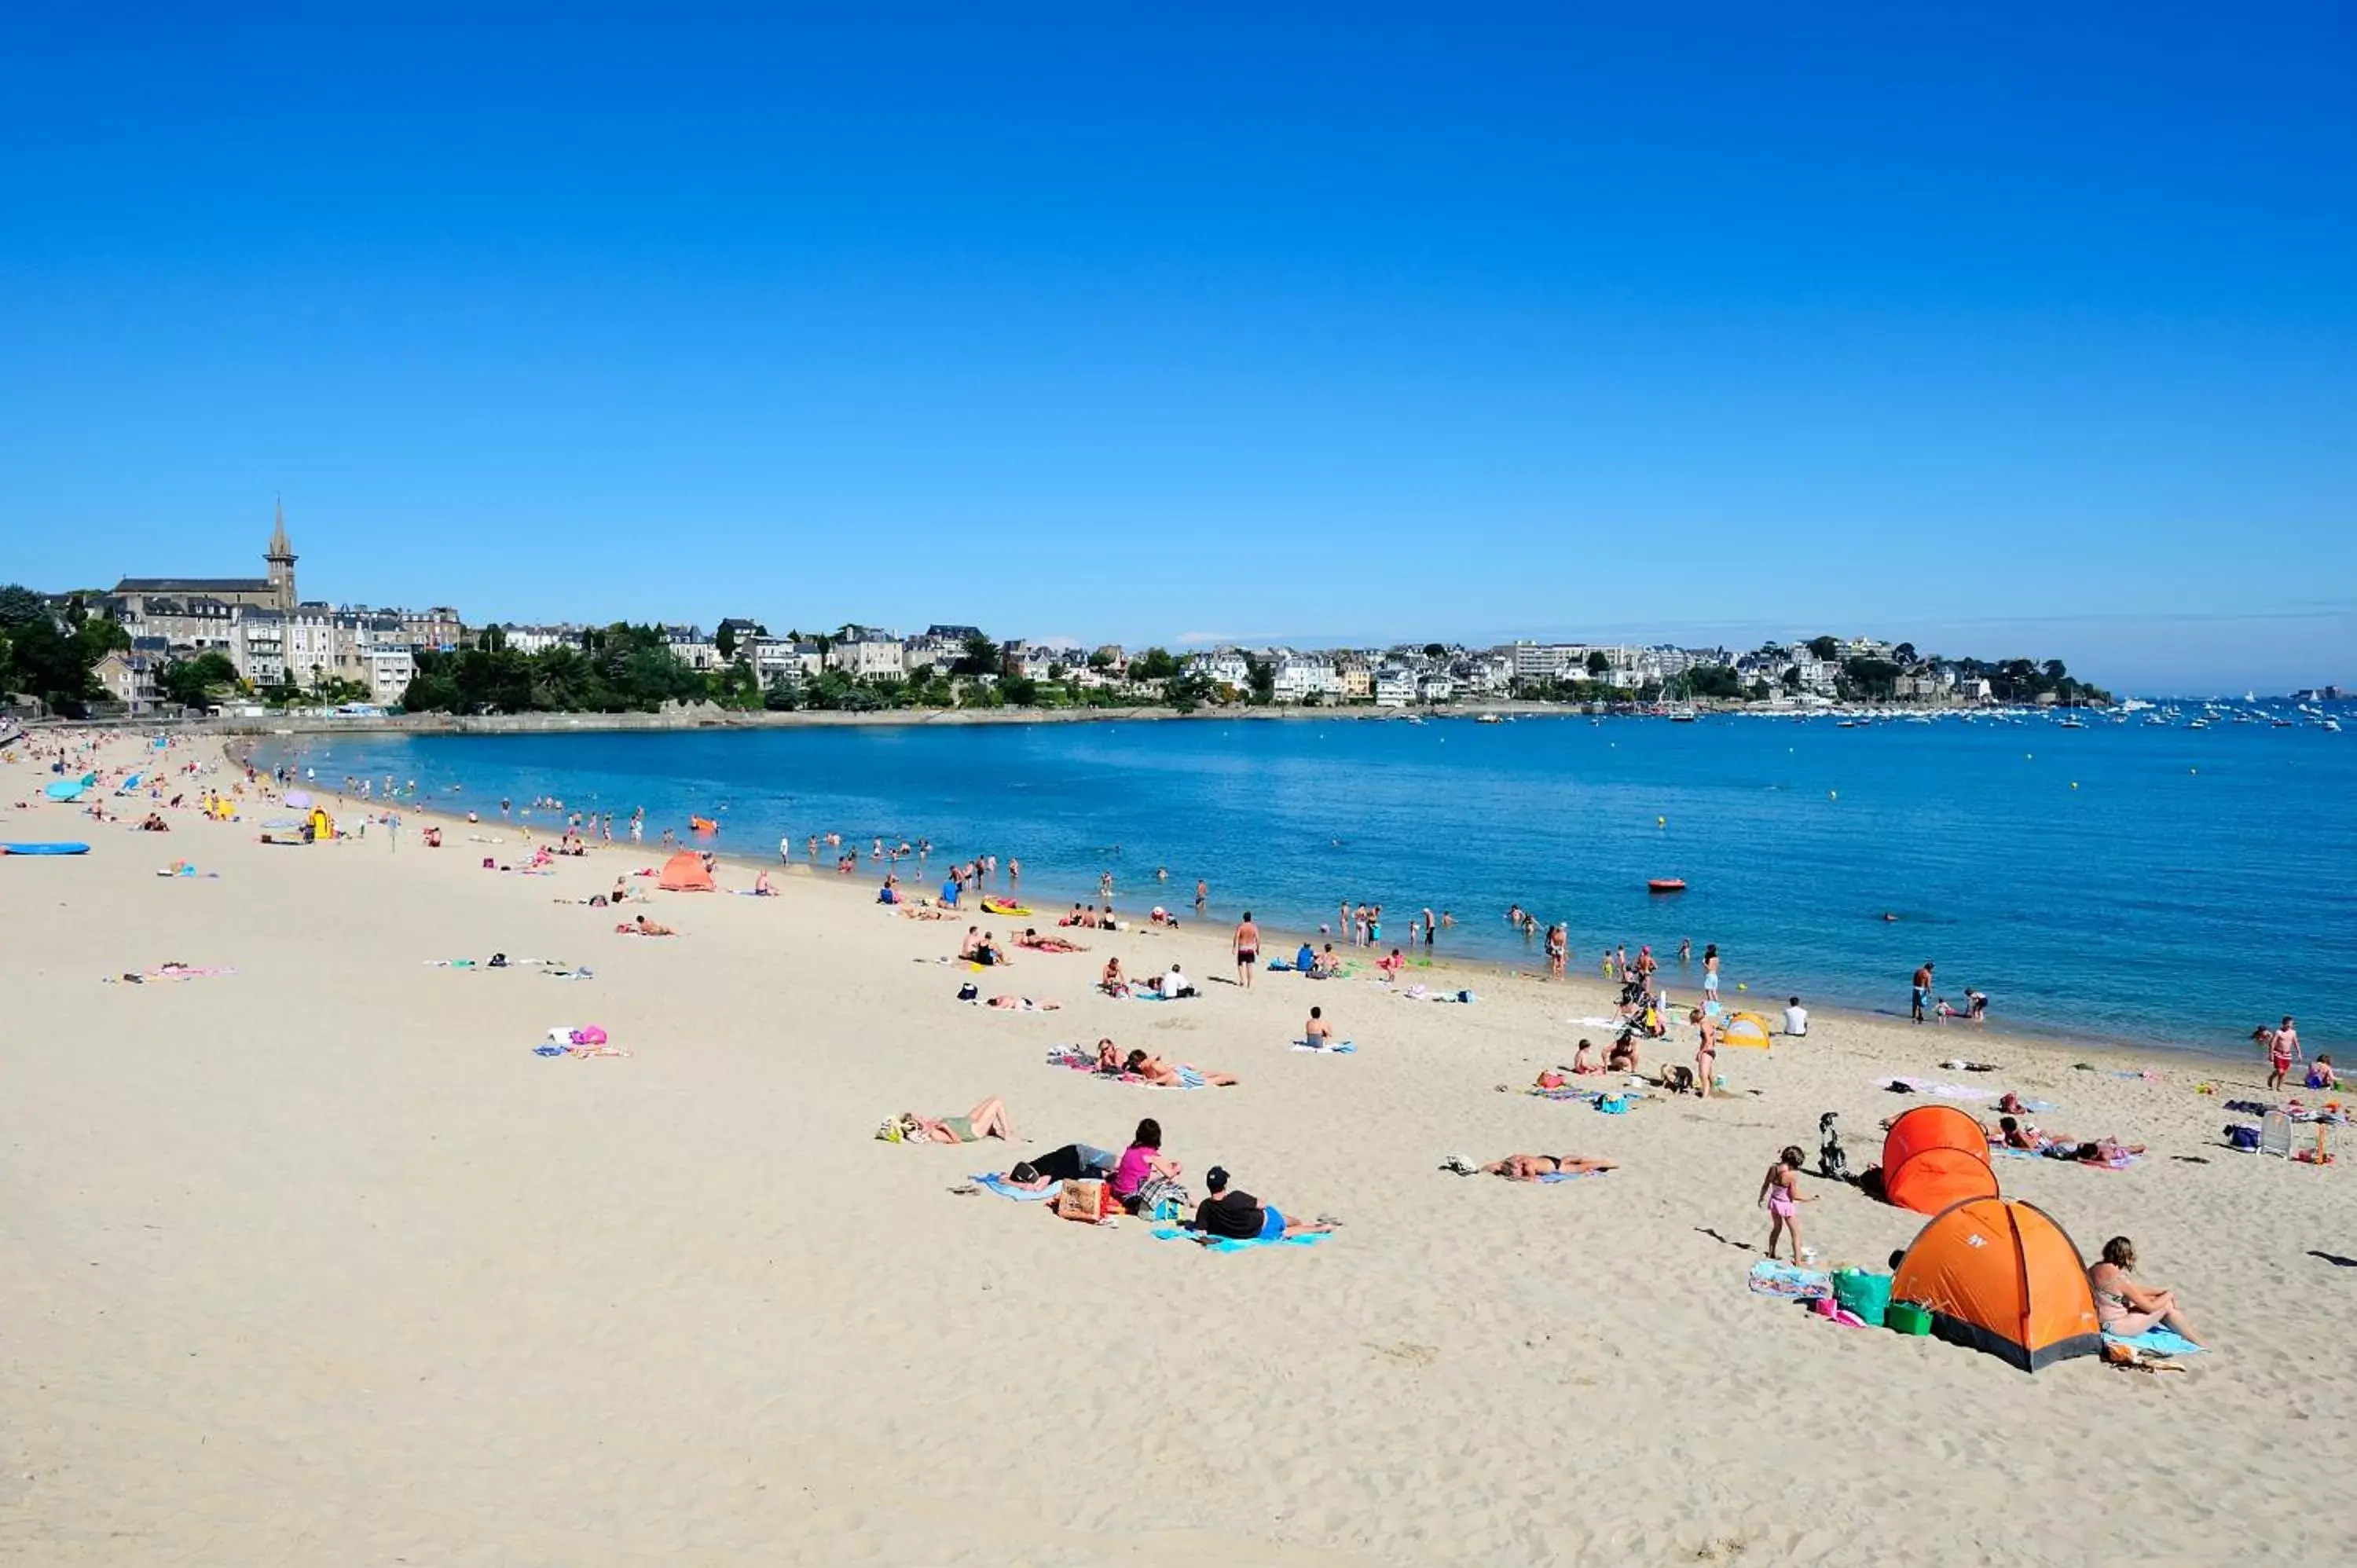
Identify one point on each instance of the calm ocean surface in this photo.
(2192, 885)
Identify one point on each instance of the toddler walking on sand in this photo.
(1781, 1191)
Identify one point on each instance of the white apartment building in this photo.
(1300, 676)
(1395, 686)
(774, 656)
(538, 638)
(389, 667)
(692, 648)
(260, 653)
(1227, 668)
(873, 656)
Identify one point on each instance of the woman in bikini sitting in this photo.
(1530, 1168)
(2124, 1307)
(1163, 1074)
(1113, 982)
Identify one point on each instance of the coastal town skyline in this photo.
(152, 644)
(270, 637)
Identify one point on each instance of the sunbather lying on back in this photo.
(1073, 1161)
(1530, 1168)
(1021, 1004)
(987, 1119)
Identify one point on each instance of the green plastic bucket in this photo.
(1906, 1318)
(1869, 1296)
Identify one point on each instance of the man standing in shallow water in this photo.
(1247, 950)
(1922, 989)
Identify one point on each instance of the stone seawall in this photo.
(713, 718)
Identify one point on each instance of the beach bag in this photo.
(1612, 1105)
(1162, 1198)
(968, 991)
(1085, 1201)
(1869, 1296)
(2244, 1138)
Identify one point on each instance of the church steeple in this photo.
(281, 557)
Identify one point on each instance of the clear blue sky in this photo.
(2022, 328)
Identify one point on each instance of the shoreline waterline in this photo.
(1210, 956)
(1823, 862)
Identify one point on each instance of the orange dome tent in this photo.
(2000, 1276)
(684, 872)
(1935, 1156)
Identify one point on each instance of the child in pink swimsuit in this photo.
(1781, 1191)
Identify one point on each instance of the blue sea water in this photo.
(2141, 884)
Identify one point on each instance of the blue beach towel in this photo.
(1771, 1278)
(1343, 1049)
(1229, 1244)
(1554, 1177)
(1005, 1188)
(548, 1050)
(2160, 1341)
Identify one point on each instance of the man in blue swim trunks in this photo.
(1234, 1214)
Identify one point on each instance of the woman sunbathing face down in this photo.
(1022, 1005)
(1156, 1071)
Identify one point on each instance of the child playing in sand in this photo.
(1781, 1191)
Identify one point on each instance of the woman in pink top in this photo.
(1141, 1163)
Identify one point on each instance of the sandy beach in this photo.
(318, 1262)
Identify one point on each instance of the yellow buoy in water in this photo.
(2074, 783)
(1739, 985)
(1832, 794)
(1661, 822)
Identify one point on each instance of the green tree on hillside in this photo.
(192, 682)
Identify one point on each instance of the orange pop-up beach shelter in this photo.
(2000, 1276)
(1934, 1156)
(684, 872)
